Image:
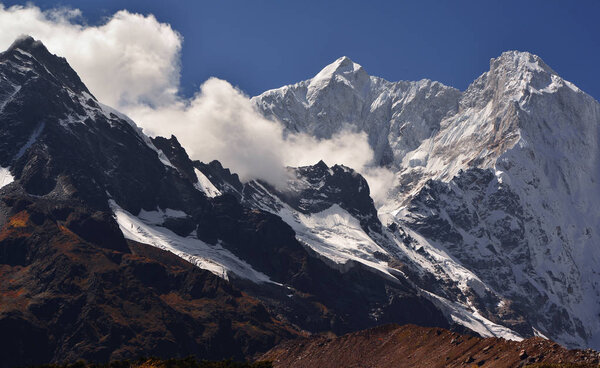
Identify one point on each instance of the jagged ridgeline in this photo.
(115, 245)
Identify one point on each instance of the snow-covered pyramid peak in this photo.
(395, 115)
(519, 60)
(343, 67)
(520, 100)
(343, 73)
(513, 77)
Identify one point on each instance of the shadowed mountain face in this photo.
(317, 295)
(96, 218)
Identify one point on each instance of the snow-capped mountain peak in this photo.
(343, 72)
(396, 116)
(342, 66)
(497, 186)
(519, 60)
(513, 77)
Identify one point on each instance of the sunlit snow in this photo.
(5, 177)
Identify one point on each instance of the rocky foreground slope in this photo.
(66, 296)
(413, 346)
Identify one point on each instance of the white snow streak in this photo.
(5, 177)
(214, 258)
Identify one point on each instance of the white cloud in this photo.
(131, 62)
(220, 122)
(129, 59)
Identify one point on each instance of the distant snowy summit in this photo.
(395, 115)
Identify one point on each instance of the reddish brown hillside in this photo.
(413, 346)
(72, 288)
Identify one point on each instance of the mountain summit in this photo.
(343, 72)
(341, 67)
(343, 95)
(36, 55)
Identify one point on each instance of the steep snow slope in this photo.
(147, 228)
(497, 187)
(519, 102)
(205, 186)
(536, 210)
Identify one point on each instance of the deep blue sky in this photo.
(263, 44)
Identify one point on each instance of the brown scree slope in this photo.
(413, 346)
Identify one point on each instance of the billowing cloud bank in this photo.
(129, 59)
(220, 122)
(131, 62)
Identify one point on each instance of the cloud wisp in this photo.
(132, 62)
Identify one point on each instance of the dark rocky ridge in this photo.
(312, 189)
(56, 66)
(59, 142)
